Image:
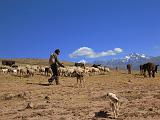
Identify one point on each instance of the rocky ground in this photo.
(23, 98)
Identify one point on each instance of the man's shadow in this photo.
(42, 84)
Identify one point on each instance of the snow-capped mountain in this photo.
(134, 58)
(82, 61)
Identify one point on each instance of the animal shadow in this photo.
(102, 114)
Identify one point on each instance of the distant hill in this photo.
(32, 61)
(135, 59)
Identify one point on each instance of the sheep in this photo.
(15, 71)
(30, 72)
(113, 103)
(42, 70)
(62, 71)
(95, 70)
(101, 68)
(48, 71)
(70, 72)
(34, 67)
(106, 69)
(87, 70)
(23, 71)
(5, 70)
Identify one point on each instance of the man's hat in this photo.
(57, 51)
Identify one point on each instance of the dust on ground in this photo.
(23, 98)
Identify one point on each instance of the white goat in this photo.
(113, 103)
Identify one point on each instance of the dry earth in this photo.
(32, 99)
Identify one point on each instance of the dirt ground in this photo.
(23, 98)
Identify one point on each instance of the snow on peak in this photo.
(135, 56)
(82, 61)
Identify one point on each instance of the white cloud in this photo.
(88, 52)
(118, 50)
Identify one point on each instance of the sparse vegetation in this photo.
(32, 98)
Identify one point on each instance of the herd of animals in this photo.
(71, 71)
(149, 67)
(68, 71)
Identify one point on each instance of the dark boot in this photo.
(57, 81)
(50, 80)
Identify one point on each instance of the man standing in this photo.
(55, 63)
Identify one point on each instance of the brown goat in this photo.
(151, 68)
(80, 77)
(141, 69)
(129, 66)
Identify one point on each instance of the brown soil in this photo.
(24, 98)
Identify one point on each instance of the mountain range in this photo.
(135, 59)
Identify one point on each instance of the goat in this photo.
(80, 77)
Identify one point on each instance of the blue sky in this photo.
(80, 28)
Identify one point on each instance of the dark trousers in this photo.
(55, 74)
